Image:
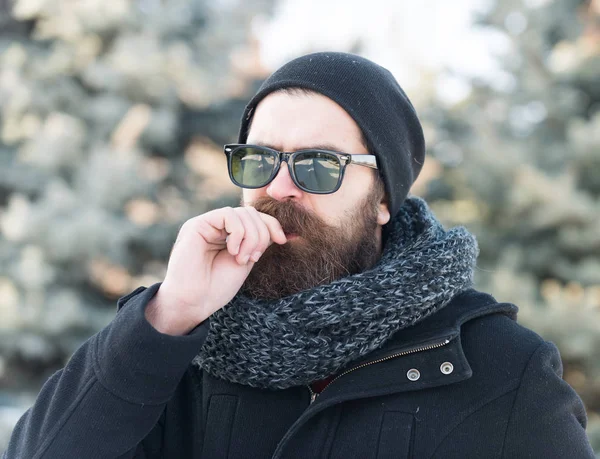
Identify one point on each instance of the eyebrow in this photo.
(319, 146)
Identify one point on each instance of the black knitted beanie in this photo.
(373, 98)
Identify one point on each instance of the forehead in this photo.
(294, 121)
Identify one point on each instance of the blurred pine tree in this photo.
(110, 113)
(520, 166)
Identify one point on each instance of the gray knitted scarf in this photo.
(313, 334)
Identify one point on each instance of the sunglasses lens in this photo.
(251, 167)
(317, 171)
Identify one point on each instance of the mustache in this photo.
(292, 217)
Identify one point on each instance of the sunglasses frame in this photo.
(344, 159)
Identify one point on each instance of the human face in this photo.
(329, 236)
(290, 122)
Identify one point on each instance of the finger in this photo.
(251, 235)
(264, 236)
(211, 234)
(227, 219)
(275, 229)
(237, 231)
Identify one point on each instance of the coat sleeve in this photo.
(548, 419)
(112, 392)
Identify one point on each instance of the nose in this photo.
(282, 187)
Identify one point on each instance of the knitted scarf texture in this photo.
(313, 334)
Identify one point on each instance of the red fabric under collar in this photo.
(318, 386)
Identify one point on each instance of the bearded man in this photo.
(329, 316)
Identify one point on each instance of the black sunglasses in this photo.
(312, 170)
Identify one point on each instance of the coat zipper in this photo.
(313, 394)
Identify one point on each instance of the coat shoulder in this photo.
(502, 332)
(516, 390)
(499, 348)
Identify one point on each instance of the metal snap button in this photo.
(446, 368)
(413, 374)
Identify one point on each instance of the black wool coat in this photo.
(466, 382)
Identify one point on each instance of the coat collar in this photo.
(446, 322)
(422, 347)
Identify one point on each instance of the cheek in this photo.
(356, 184)
(249, 195)
(331, 207)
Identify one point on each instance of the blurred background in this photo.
(113, 115)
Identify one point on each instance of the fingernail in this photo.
(256, 256)
(245, 259)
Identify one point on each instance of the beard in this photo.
(321, 254)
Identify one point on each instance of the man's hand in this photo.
(211, 259)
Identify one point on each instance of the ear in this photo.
(383, 213)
